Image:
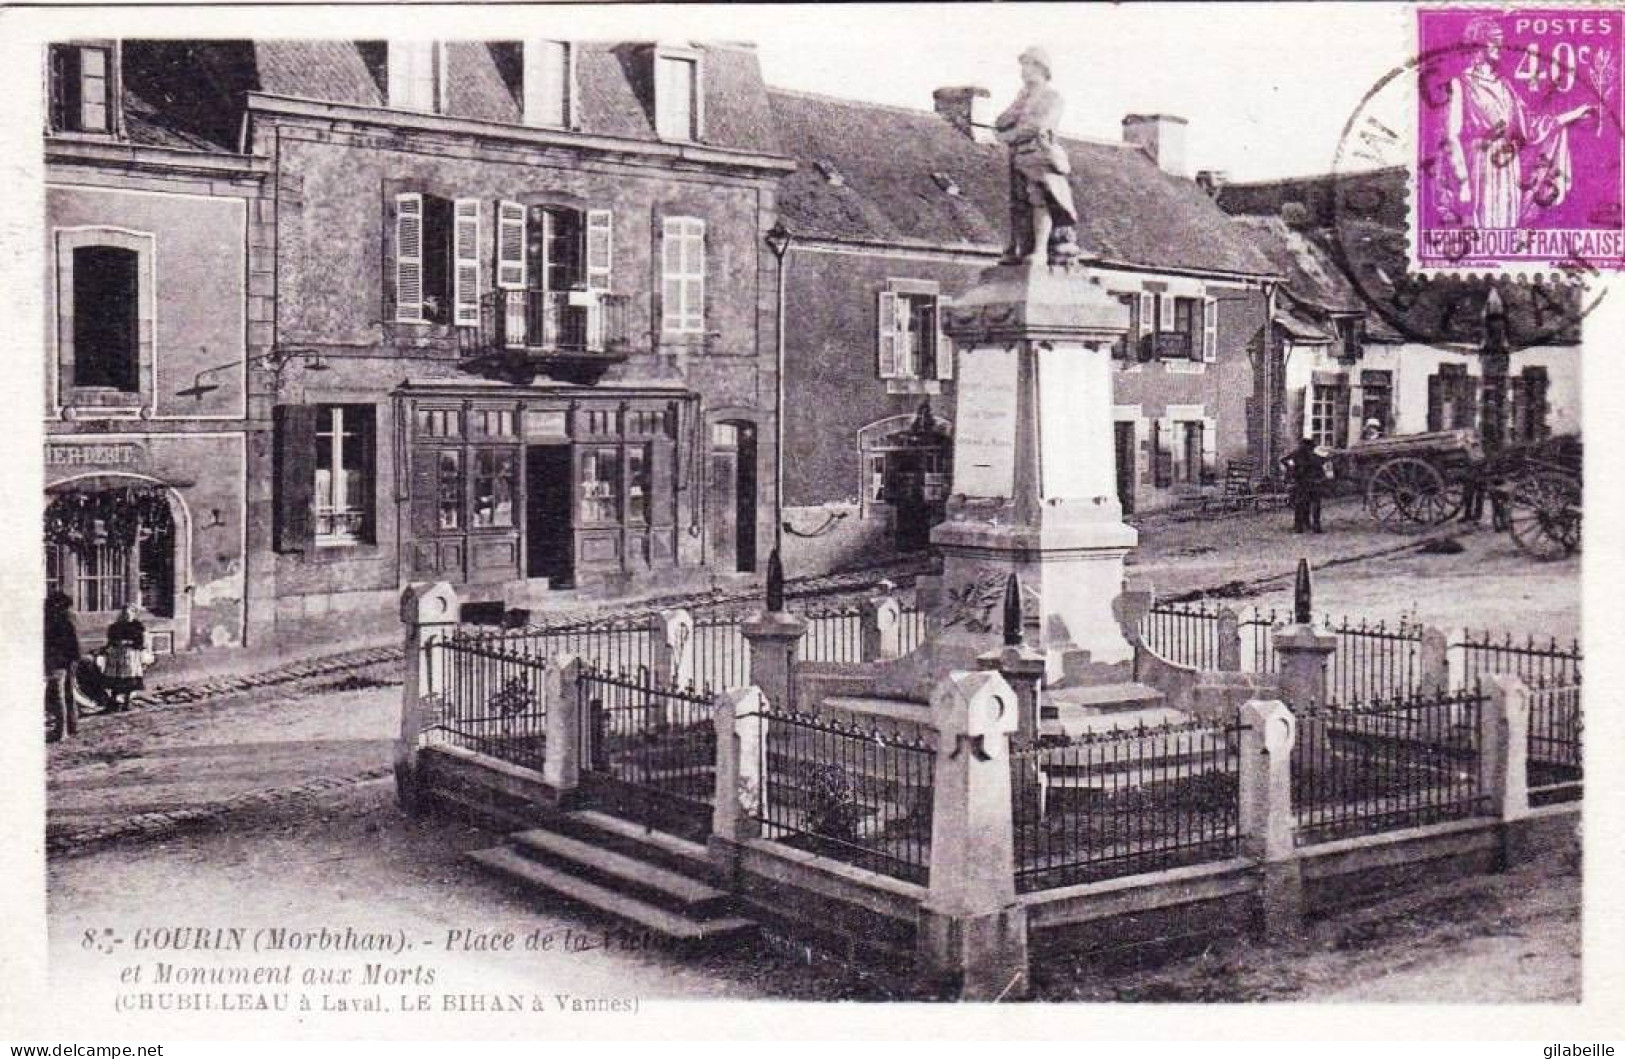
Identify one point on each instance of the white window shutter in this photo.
(1210, 447)
(600, 248)
(465, 278)
(697, 270)
(945, 345)
(886, 336)
(1148, 314)
(1210, 329)
(510, 246)
(409, 257)
(1166, 313)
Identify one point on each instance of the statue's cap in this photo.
(1038, 55)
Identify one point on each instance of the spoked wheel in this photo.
(1407, 492)
(1545, 515)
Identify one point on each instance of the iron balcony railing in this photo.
(558, 322)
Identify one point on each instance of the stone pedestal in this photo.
(1035, 489)
(1303, 653)
(775, 644)
(429, 614)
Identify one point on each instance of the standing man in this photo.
(1042, 214)
(61, 655)
(1307, 471)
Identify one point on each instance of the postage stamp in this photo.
(1518, 149)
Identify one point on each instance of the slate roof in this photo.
(205, 83)
(1132, 211)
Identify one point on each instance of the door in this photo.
(1124, 436)
(732, 496)
(549, 538)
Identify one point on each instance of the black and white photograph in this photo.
(580, 520)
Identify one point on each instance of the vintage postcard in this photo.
(542, 521)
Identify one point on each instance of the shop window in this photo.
(449, 489)
(324, 469)
(637, 484)
(102, 567)
(682, 270)
(600, 484)
(81, 88)
(106, 318)
(494, 488)
(677, 110)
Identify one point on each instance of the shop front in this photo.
(153, 521)
(538, 489)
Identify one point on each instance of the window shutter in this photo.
(409, 257)
(1210, 448)
(1467, 409)
(1210, 329)
(1147, 325)
(1162, 439)
(465, 278)
(293, 452)
(945, 345)
(510, 246)
(1165, 313)
(886, 337)
(600, 248)
(64, 86)
(1435, 403)
(696, 251)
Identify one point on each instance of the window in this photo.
(910, 341)
(1377, 399)
(81, 88)
(323, 475)
(1190, 469)
(1170, 327)
(549, 84)
(440, 422)
(677, 97)
(1452, 398)
(449, 489)
(1125, 346)
(437, 262)
(637, 484)
(106, 318)
(343, 493)
(1527, 420)
(600, 484)
(1329, 415)
(494, 487)
(415, 73)
(1350, 336)
(102, 576)
(682, 289)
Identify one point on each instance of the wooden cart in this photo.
(1413, 480)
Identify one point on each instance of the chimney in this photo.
(1212, 181)
(967, 108)
(1162, 136)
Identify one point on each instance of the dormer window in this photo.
(550, 95)
(677, 94)
(416, 75)
(81, 88)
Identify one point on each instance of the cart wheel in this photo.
(1408, 491)
(1545, 515)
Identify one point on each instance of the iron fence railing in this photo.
(491, 698)
(844, 790)
(1373, 661)
(911, 627)
(1555, 762)
(1123, 802)
(721, 652)
(648, 735)
(834, 634)
(1550, 663)
(610, 644)
(1382, 766)
(1187, 634)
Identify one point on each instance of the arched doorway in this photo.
(111, 542)
(908, 469)
(732, 496)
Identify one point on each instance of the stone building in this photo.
(520, 327)
(149, 332)
(892, 212)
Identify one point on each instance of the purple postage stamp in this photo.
(1519, 145)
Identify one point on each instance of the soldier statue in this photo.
(1042, 215)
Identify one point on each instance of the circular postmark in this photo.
(1508, 168)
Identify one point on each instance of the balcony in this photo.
(572, 336)
(1172, 345)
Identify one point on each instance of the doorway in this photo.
(732, 496)
(1123, 435)
(549, 540)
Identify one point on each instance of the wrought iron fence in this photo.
(1551, 663)
(1186, 634)
(492, 698)
(1124, 801)
(1555, 766)
(1257, 632)
(1381, 766)
(834, 634)
(911, 627)
(721, 653)
(648, 735)
(612, 644)
(843, 790)
(1373, 661)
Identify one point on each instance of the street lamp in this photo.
(778, 240)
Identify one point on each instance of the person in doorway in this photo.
(61, 655)
(126, 658)
(1306, 470)
(1371, 431)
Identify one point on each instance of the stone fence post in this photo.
(561, 755)
(672, 637)
(775, 646)
(1433, 665)
(740, 774)
(1303, 653)
(972, 934)
(429, 613)
(1229, 640)
(882, 628)
(1503, 748)
(1267, 824)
